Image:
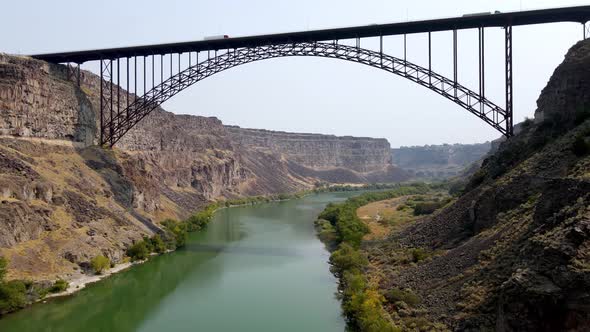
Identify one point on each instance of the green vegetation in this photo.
(100, 263)
(424, 205)
(361, 302)
(16, 294)
(59, 286)
(3, 267)
(407, 296)
(12, 295)
(327, 187)
(138, 251)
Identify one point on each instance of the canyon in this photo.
(64, 200)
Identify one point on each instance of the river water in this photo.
(255, 268)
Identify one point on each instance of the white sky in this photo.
(308, 94)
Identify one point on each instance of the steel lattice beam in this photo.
(118, 124)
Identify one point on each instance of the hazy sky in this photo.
(311, 94)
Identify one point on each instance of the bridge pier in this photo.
(586, 30)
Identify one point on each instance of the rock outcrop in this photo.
(438, 161)
(512, 252)
(327, 157)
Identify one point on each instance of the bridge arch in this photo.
(117, 125)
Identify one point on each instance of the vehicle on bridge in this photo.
(216, 37)
(477, 14)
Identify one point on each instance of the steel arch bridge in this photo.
(123, 102)
(121, 122)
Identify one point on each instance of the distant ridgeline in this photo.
(438, 161)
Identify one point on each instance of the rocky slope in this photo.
(438, 161)
(327, 157)
(512, 253)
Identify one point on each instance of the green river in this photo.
(254, 268)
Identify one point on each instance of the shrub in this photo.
(12, 296)
(346, 258)
(406, 296)
(423, 208)
(419, 254)
(100, 263)
(60, 285)
(158, 245)
(179, 231)
(138, 251)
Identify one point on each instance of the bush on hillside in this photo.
(100, 263)
(139, 251)
(12, 296)
(406, 296)
(60, 285)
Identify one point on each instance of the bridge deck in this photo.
(580, 14)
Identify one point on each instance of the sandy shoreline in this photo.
(80, 283)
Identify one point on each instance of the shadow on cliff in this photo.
(102, 161)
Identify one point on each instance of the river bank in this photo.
(176, 231)
(229, 276)
(344, 232)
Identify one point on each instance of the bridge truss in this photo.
(121, 113)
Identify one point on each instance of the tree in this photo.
(12, 296)
(100, 263)
(138, 251)
(158, 244)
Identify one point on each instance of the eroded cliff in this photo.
(327, 157)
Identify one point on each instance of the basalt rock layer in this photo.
(327, 157)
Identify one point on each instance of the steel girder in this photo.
(115, 125)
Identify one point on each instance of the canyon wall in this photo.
(361, 154)
(330, 158)
(438, 161)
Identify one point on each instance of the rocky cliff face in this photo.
(327, 157)
(512, 253)
(37, 100)
(438, 161)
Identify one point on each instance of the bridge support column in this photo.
(106, 99)
(509, 90)
(482, 73)
(455, 62)
(586, 30)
